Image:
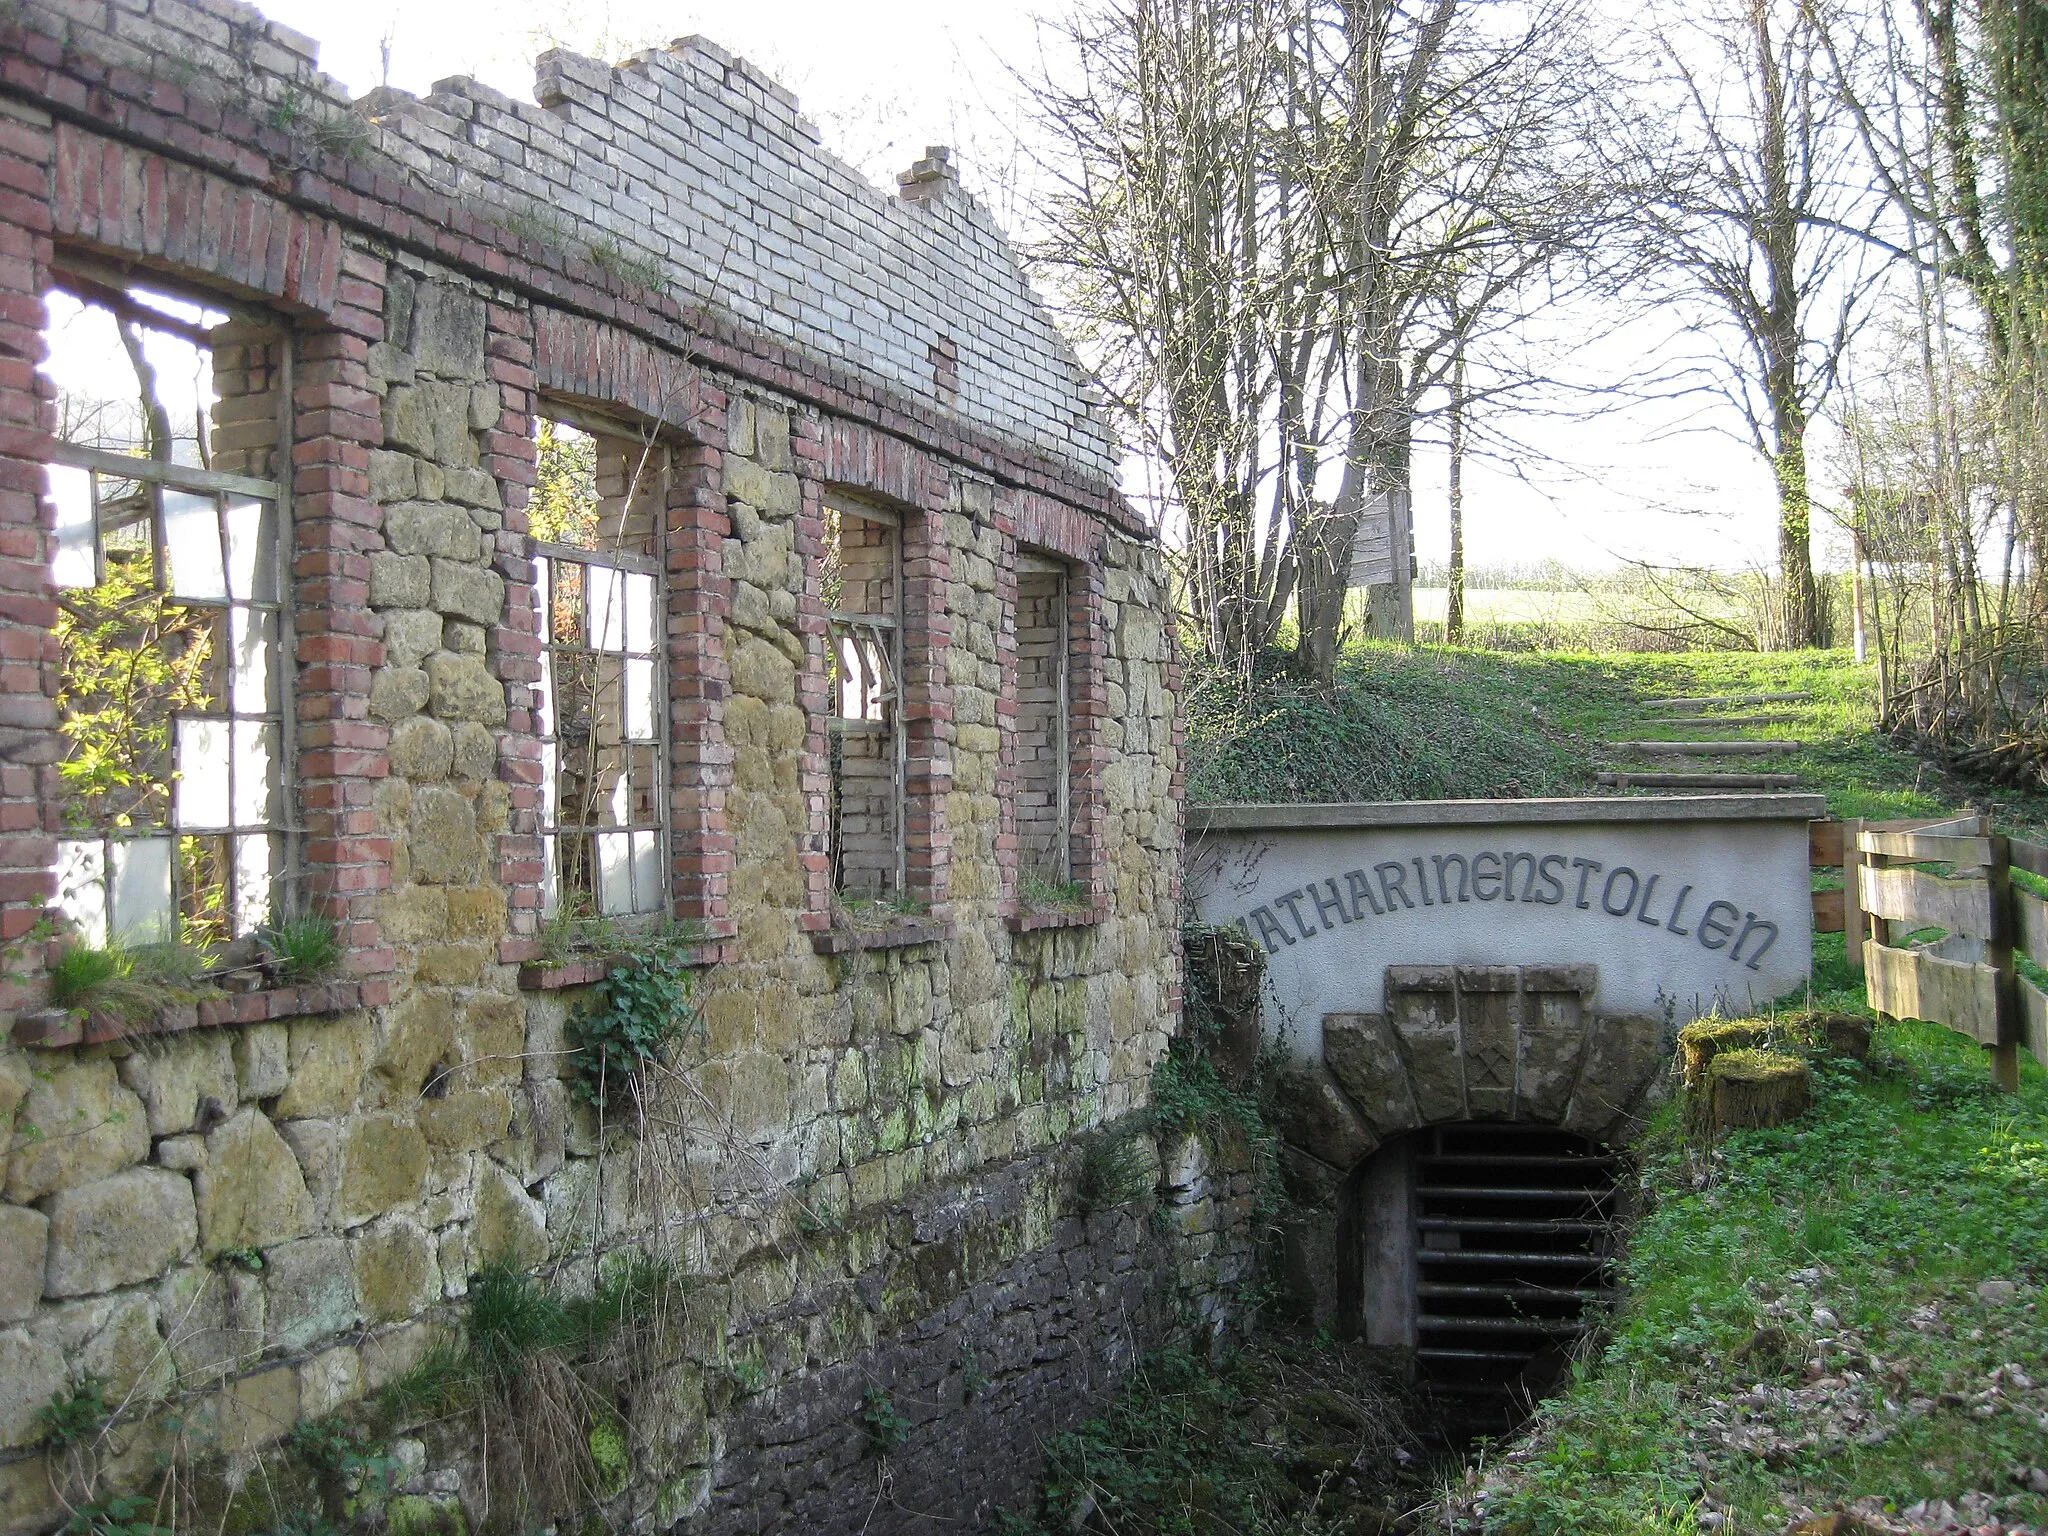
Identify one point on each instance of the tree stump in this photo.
(1752, 1090)
(1704, 1039)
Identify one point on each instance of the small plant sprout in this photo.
(304, 948)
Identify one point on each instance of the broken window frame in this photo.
(92, 285)
(876, 641)
(654, 450)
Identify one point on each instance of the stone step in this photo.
(1620, 780)
(1708, 748)
(1716, 701)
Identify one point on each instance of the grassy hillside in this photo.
(1845, 1312)
(1432, 722)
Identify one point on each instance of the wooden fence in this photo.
(1942, 943)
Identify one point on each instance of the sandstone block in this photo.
(419, 1034)
(16, 1076)
(411, 635)
(1316, 1117)
(118, 1231)
(468, 592)
(476, 751)
(308, 1292)
(391, 476)
(476, 487)
(400, 581)
(397, 693)
(1361, 1053)
(181, 1154)
(464, 1120)
(510, 1225)
(476, 912)
(213, 1319)
(462, 688)
(262, 1059)
(775, 494)
(450, 965)
(31, 1373)
(396, 1276)
(422, 748)
(256, 1410)
(493, 1033)
(389, 363)
(328, 1060)
(383, 1165)
(413, 914)
(24, 1245)
(444, 843)
(317, 1146)
(330, 1380)
(771, 438)
(74, 1126)
(251, 1193)
(447, 337)
(28, 1498)
(175, 1076)
(431, 528)
(127, 1353)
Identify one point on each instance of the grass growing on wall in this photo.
(1805, 1323)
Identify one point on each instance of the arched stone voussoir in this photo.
(1315, 1116)
(1623, 1058)
(1365, 1059)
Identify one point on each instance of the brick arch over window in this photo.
(1472, 1043)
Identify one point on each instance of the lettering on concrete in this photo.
(1394, 887)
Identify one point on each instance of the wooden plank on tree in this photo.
(1928, 901)
(2030, 935)
(2034, 1020)
(1928, 848)
(1909, 985)
(1823, 844)
(1830, 911)
(1709, 748)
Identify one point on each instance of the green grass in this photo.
(1435, 722)
(1906, 1186)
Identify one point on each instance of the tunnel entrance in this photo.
(1478, 1247)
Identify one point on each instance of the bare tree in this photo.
(1762, 229)
(1258, 205)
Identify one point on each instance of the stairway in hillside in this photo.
(1708, 713)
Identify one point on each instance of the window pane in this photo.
(141, 891)
(566, 595)
(75, 563)
(82, 887)
(252, 532)
(614, 873)
(257, 860)
(200, 798)
(607, 607)
(252, 662)
(639, 636)
(640, 702)
(646, 872)
(255, 752)
(192, 546)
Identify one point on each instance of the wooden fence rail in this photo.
(1942, 943)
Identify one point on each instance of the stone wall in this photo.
(864, 1154)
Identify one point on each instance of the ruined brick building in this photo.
(476, 534)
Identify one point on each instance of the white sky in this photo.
(884, 80)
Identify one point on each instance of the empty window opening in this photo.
(168, 562)
(863, 592)
(1042, 772)
(598, 510)
(1480, 1246)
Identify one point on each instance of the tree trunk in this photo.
(1454, 599)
